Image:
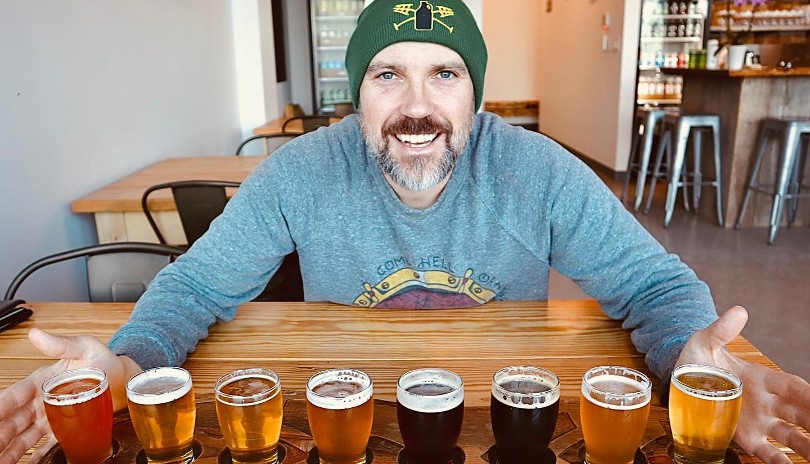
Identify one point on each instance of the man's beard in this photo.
(417, 173)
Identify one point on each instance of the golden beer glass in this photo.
(249, 410)
(613, 407)
(163, 411)
(79, 408)
(704, 406)
(340, 411)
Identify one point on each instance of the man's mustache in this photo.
(426, 125)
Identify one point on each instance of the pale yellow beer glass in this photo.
(162, 409)
(340, 410)
(613, 408)
(704, 406)
(249, 409)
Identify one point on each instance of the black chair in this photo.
(198, 203)
(116, 272)
(309, 122)
(270, 142)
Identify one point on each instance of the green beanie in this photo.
(443, 22)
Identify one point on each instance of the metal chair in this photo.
(309, 123)
(198, 203)
(116, 272)
(270, 142)
(644, 128)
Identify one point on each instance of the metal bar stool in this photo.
(681, 127)
(793, 155)
(644, 128)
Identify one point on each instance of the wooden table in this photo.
(299, 339)
(274, 126)
(117, 206)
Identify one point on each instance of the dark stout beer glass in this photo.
(79, 409)
(430, 411)
(523, 410)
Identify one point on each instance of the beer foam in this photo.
(613, 398)
(148, 387)
(427, 402)
(339, 389)
(542, 395)
(71, 399)
(247, 398)
(716, 395)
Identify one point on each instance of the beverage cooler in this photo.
(670, 29)
(331, 23)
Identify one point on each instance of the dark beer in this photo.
(430, 411)
(79, 408)
(523, 411)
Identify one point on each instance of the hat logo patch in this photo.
(424, 16)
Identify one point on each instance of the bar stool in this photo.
(644, 128)
(792, 158)
(683, 126)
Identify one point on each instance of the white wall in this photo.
(92, 90)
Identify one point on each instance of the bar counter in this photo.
(743, 99)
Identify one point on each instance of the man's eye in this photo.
(446, 74)
(387, 76)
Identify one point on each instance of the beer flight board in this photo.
(475, 444)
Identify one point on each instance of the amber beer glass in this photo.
(613, 408)
(340, 410)
(249, 408)
(162, 410)
(430, 411)
(704, 405)
(523, 410)
(79, 409)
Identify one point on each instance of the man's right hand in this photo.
(22, 414)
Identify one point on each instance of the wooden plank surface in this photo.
(125, 194)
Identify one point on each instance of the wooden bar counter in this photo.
(298, 339)
(743, 99)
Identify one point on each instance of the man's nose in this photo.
(417, 101)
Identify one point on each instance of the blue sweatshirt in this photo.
(516, 205)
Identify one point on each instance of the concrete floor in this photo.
(771, 281)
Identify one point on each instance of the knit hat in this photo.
(443, 22)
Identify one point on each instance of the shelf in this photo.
(658, 101)
(783, 28)
(674, 16)
(333, 79)
(335, 18)
(671, 39)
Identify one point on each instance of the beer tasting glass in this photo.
(613, 408)
(704, 405)
(340, 410)
(430, 411)
(162, 410)
(79, 408)
(523, 410)
(249, 409)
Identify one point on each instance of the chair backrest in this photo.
(309, 122)
(270, 142)
(116, 272)
(198, 203)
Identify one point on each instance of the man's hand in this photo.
(22, 414)
(774, 403)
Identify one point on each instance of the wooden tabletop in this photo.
(125, 194)
(274, 126)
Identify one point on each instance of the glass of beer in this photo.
(523, 410)
(79, 408)
(340, 411)
(430, 411)
(613, 408)
(249, 408)
(162, 410)
(704, 405)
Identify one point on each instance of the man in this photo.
(418, 202)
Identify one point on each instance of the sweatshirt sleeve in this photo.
(229, 265)
(600, 245)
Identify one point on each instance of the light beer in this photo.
(162, 410)
(613, 407)
(340, 411)
(430, 411)
(704, 406)
(79, 408)
(523, 410)
(249, 409)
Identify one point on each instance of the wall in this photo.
(90, 91)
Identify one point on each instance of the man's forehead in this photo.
(405, 53)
